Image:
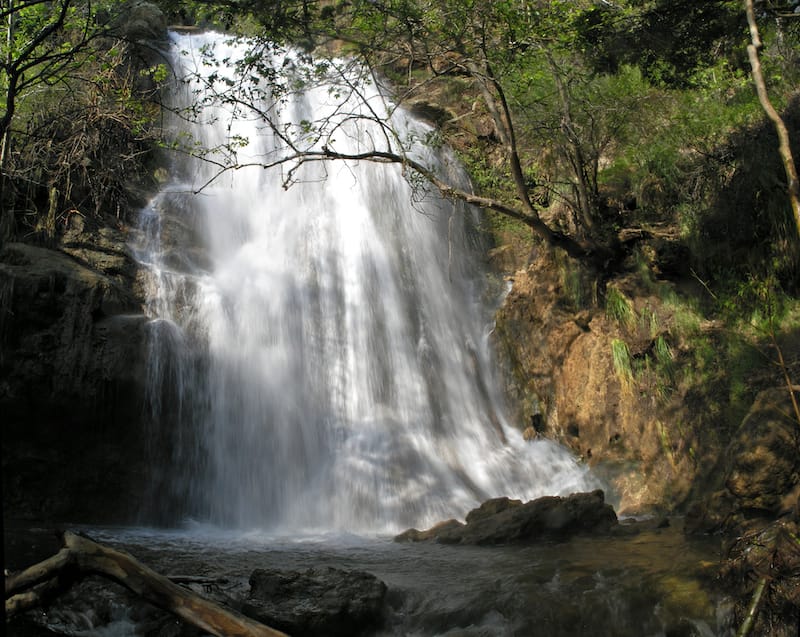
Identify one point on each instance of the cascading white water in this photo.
(319, 354)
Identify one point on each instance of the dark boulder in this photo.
(504, 521)
(318, 602)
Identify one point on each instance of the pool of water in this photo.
(654, 583)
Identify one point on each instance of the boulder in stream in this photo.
(504, 521)
(318, 602)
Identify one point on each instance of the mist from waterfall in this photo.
(319, 354)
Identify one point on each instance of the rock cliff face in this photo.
(657, 450)
(562, 381)
(72, 335)
(72, 329)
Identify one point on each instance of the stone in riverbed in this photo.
(318, 602)
(505, 521)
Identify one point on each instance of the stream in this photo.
(655, 583)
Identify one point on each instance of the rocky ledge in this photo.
(506, 521)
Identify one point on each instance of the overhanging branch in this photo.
(448, 191)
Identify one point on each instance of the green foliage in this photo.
(664, 357)
(504, 230)
(747, 230)
(158, 73)
(756, 301)
(649, 322)
(75, 120)
(486, 178)
(283, 20)
(636, 100)
(668, 39)
(606, 112)
(686, 319)
(619, 308)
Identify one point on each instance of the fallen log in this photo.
(81, 557)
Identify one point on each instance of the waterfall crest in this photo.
(319, 354)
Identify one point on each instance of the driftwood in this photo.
(81, 557)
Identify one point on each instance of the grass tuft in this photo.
(619, 308)
(621, 356)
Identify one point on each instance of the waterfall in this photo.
(319, 354)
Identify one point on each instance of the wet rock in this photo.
(503, 521)
(71, 362)
(320, 601)
(59, 317)
(24, 626)
(558, 367)
(491, 508)
(430, 112)
(433, 533)
(141, 21)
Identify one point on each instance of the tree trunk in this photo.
(784, 148)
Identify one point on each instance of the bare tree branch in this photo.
(784, 147)
(313, 142)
